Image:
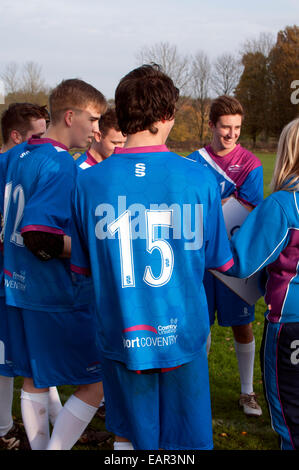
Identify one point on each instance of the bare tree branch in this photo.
(32, 79)
(200, 82)
(172, 63)
(10, 78)
(226, 74)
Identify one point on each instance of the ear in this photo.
(16, 137)
(97, 136)
(68, 117)
(211, 125)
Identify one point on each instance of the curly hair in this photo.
(143, 97)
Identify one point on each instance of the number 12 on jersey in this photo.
(153, 219)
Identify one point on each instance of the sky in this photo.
(98, 40)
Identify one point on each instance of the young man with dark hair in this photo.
(52, 327)
(146, 230)
(20, 121)
(104, 141)
(239, 174)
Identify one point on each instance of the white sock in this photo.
(123, 445)
(71, 423)
(245, 355)
(102, 401)
(35, 416)
(6, 396)
(209, 340)
(55, 405)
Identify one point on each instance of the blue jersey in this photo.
(37, 181)
(238, 173)
(3, 162)
(85, 160)
(269, 238)
(147, 223)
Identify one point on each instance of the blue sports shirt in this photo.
(147, 223)
(269, 238)
(37, 185)
(85, 161)
(238, 173)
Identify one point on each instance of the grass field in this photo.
(232, 429)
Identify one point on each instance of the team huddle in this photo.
(105, 268)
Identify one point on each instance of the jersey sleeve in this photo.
(251, 190)
(218, 252)
(48, 209)
(260, 240)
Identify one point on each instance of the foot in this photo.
(249, 404)
(15, 439)
(94, 437)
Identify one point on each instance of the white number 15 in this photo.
(153, 219)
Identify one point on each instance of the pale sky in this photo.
(97, 40)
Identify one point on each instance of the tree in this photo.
(176, 66)
(262, 44)
(24, 84)
(284, 69)
(10, 78)
(254, 92)
(226, 74)
(200, 80)
(32, 80)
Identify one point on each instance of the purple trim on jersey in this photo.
(90, 159)
(277, 387)
(247, 203)
(237, 164)
(45, 140)
(42, 228)
(148, 149)
(79, 270)
(281, 273)
(225, 267)
(141, 328)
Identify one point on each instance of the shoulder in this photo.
(198, 175)
(288, 202)
(249, 157)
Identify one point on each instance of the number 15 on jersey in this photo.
(153, 219)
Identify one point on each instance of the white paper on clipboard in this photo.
(234, 214)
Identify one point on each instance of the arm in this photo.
(45, 246)
(260, 240)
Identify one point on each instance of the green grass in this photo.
(232, 429)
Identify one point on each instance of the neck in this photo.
(6, 147)
(96, 155)
(55, 133)
(144, 139)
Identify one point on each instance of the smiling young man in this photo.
(104, 141)
(47, 318)
(239, 174)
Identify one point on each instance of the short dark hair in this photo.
(144, 96)
(18, 117)
(223, 106)
(108, 121)
(74, 94)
